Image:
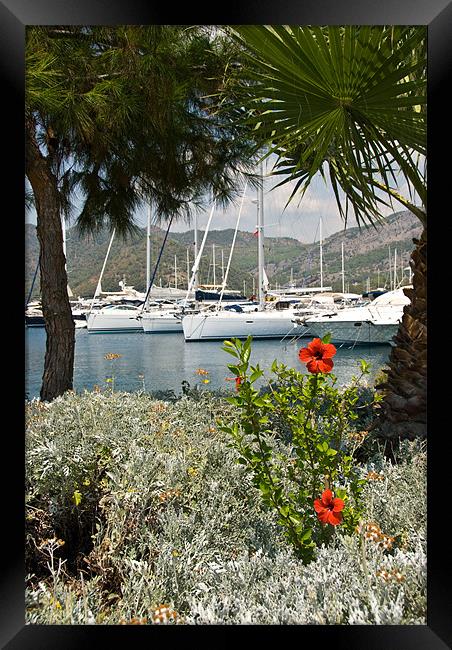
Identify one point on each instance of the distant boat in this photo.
(114, 318)
(165, 319)
(35, 318)
(121, 316)
(33, 315)
(374, 323)
(161, 319)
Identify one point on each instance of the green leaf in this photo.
(255, 375)
(307, 535)
(284, 510)
(295, 519)
(77, 497)
(229, 344)
(231, 351)
(264, 487)
(365, 366)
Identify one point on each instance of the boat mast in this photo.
(260, 237)
(99, 284)
(63, 225)
(390, 267)
(148, 248)
(175, 271)
(343, 273)
(195, 243)
(395, 269)
(321, 256)
(225, 277)
(213, 264)
(193, 281)
(188, 267)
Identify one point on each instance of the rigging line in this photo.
(358, 334)
(151, 282)
(98, 288)
(232, 249)
(198, 258)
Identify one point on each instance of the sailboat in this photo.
(33, 309)
(198, 298)
(168, 319)
(113, 317)
(262, 321)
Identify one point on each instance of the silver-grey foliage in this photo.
(174, 520)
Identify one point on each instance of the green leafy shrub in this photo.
(299, 484)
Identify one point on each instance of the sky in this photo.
(300, 219)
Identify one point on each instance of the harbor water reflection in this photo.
(158, 362)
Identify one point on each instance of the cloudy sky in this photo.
(299, 220)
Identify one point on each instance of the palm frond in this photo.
(351, 97)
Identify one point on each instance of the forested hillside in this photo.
(367, 254)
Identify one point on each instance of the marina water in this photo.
(161, 362)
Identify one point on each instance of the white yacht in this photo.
(376, 322)
(275, 321)
(114, 318)
(161, 318)
(240, 322)
(164, 318)
(34, 316)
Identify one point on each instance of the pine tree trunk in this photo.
(403, 411)
(59, 323)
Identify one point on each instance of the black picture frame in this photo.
(437, 16)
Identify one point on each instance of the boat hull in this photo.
(112, 323)
(35, 321)
(355, 332)
(259, 325)
(160, 323)
(39, 321)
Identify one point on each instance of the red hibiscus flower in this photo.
(318, 356)
(328, 509)
(238, 381)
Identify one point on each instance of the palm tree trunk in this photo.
(403, 411)
(59, 323)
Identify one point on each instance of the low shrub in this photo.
(139, 513)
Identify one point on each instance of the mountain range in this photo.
(369, 252)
